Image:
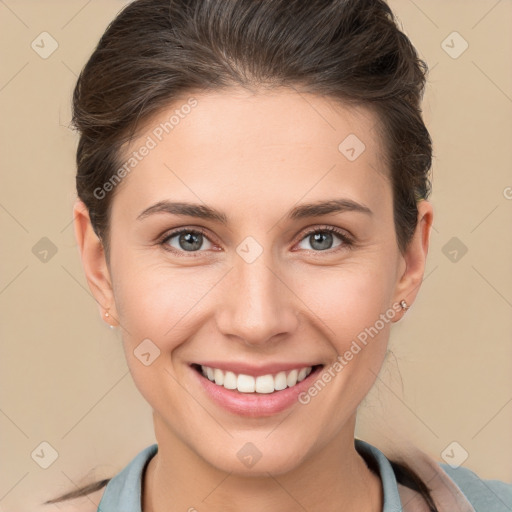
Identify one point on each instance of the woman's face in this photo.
(263, 286)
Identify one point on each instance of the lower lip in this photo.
(255, 404)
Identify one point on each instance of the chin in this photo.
(251, 459)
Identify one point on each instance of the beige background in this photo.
(64, 379)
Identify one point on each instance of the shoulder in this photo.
(484, 495)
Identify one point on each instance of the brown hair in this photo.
(156, 51)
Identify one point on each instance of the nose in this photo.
(257, 305)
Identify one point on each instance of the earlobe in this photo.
(415, 256)
(93, 261)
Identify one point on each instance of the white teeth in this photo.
(291, 380)
(261, 384)
(280, 381)
(265, 384)
(230, 380)
(245, 383)
(218, 375)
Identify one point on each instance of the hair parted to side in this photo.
(155, 52)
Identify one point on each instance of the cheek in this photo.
(155, 307)
(349, 298)
(159, 302)
(352, 307)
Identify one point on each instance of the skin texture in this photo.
(255, 156)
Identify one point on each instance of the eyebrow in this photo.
(299, 212)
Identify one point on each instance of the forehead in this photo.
(274, 144)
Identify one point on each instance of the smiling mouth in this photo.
(264, 384)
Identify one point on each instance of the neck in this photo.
(176, 478)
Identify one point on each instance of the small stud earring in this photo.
(404, 305)
(107, 315)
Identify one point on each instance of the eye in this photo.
(185, 240)
(188, 240)
(321, 239)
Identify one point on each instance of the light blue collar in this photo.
(123, 492)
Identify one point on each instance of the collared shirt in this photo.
(457, 489)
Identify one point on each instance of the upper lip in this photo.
(255, 370)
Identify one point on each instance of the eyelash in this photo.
(347, 241)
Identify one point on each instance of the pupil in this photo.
(193, 238)
(319, 237)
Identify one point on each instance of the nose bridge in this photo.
(257, 305)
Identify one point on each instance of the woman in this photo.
(253, 215)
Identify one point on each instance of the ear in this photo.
(94, 262)
(414, 259)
